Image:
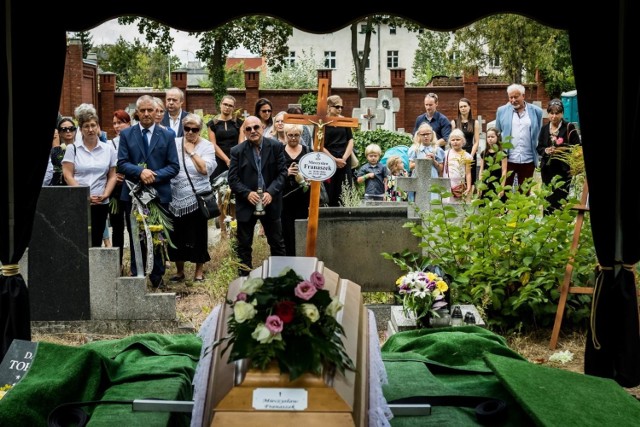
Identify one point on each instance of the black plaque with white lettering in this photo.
(17, 361)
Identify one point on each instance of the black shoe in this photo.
(177, 279)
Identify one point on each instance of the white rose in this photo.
(263, 335)
(311, 311)
(335, 306)
(251, 285)
(243, 311)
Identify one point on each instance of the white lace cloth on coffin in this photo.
(379, 411)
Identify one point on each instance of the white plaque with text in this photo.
(317, 166)
(280, 399)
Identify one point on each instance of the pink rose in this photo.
(241, 297)
(559, 141)
(318, 280)
(274, 324)
(305, 290)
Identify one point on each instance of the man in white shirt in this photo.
(174, 114)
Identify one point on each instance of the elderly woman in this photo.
(92, 163)
(190, 232)
(295, 202)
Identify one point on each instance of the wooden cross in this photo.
(319, 120)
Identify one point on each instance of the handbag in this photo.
(207, 202)
(353, 161)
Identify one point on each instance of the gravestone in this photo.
(400, 321)
(391, 106)
(59, 255)
(369, 115)
(420, 184)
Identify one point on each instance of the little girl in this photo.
(498, 168)
(457, 167)
(396, 167)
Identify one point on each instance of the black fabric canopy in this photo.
(608, 95)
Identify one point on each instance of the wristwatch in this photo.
(191, 154)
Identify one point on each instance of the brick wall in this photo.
(485, 93)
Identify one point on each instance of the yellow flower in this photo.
(155, 228)
(399, 281)
(442, 286)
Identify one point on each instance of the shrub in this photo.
(505, 256)
(384, 138)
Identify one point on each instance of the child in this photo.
(374, 174)
(497, 170)
(396, 168)
(425, 147)
(457, 167)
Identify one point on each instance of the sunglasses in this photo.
(187, 129)
(293, 136)
(338, 107)
(265, 111)
(255, 127)
(71, 129)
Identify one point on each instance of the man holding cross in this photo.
(339, 144)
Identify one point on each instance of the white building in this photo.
(390, 48)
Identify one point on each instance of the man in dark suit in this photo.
(174, 114)
(148, 154)
(257, 162)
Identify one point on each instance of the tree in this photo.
(432, 56)
(86, 39)
(261, 35)
(522, 45)
(301, 75)
(136, 64)
(360, 60)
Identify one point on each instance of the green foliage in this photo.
(309, 103)
(302, 75)
(259, 34)
(137, 64)
(351, 195)
(234, 76)
(505, 257)
(432, 57)
(494, 36)
(384, 138)
(86, 39)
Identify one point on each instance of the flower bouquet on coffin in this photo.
(287, 320)
(423, 294)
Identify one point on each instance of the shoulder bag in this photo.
(206, 199)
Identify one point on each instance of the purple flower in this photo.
(318, 280)
(274, 324)
(241, 297)
(305, 290)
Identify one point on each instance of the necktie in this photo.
(145, 136)
(259, 166)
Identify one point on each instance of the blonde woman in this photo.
(277, 130)
(425, 147)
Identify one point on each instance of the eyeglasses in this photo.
(70, 129)
(425, 134)
(555, 103)
(227, 105)
(188, 129)
(338, 107)
(254, 127)
(265, 111)
(293, 136)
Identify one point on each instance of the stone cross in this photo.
(391, 106)
(369, 114)
(319, 121)
(420, 184)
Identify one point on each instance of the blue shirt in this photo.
(439, 123)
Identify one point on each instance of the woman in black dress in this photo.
(338, 143)
(554, 137)
(295, 202)
(225, 131)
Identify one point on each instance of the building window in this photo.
(495, 62)
(290, 59)
(330, 59)
(392, 59)
(363, 28)
(453, 55)
(368, 63)
(392, 29)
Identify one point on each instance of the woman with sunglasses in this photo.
(197, 160)
(64, 136)
(264, 111)
(338, 143)
(556, 137)
(225, 131)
